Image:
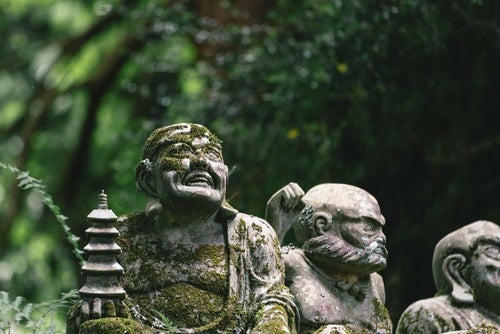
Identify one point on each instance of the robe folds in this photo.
(256, 299)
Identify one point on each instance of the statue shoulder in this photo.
(132, 222)
(432, 315)
(378, 286)
(253, 225)
(295, 261)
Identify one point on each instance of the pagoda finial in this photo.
(103, 201)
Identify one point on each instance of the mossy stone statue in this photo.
(192, 263)
(332, 272)
(466, 269)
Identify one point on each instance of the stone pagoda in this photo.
(101, 271)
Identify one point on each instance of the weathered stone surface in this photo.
(483, 328)
(332, 273)
(466, 269)
(192, 263)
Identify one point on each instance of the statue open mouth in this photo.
(199, 179)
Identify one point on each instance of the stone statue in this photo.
(332, 273)
(192, 263)
(466, 269)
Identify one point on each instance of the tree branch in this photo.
(477, 22)
(98, 86)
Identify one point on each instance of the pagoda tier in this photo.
(101, 271)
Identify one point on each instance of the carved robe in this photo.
(252, 296)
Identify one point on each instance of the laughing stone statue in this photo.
(466, 268)
(333, 274)
(192, 263)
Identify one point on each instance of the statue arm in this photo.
(275, 310)
(283, 207)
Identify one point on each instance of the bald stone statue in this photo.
(466, 269)
(192, 263)
(333, 272)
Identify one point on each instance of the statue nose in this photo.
(199, 161)
(381, 239)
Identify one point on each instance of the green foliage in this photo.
(164, 323)
(26, 182)
(18, 316)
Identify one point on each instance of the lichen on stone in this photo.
(484, 328)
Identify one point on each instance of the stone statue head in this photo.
(340, 228)
(182, 170)
(466, 265)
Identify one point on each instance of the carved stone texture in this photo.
(192, 263)
(466, 269)
(341, 246)
(101, 271)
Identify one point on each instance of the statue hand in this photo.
(283, 206)
(287, 198)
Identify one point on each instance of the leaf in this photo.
(25, 184)
(73, 238)
(17, 302)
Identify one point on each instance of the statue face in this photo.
(484, 279)
(190, 169)
(366, 233)
(348, 245)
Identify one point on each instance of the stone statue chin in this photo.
(333, 273)
(192, 263)
(466, 269)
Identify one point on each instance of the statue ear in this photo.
(321, 223)
(144, 178)
(453, 266)
(145, 183)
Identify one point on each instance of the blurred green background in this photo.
(401, 98)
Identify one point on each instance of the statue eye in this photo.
(492, 252)
(370, 227)
(179, 150)
(213, 154)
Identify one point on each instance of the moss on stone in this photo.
(326, 330)
(355, 329)
(484, 328)
(256, 227)
(112, 326)
(109, 308)
(241, 228)
(271, 319)
(381, 319)
(185, 305)
(167, 163)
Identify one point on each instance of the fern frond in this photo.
(25, 181)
